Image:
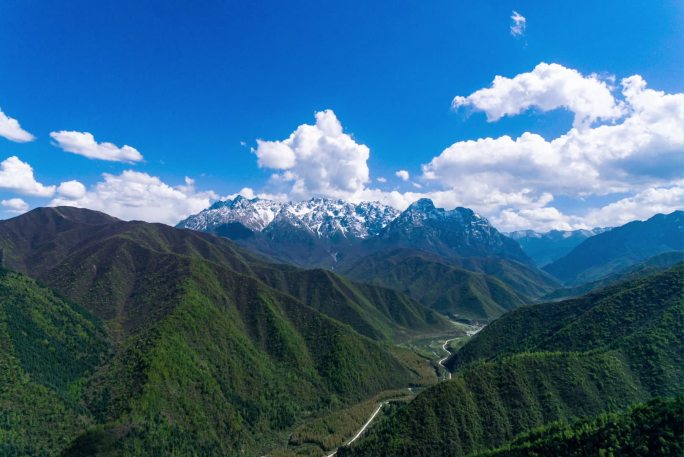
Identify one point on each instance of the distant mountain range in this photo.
(453, 261)
(610, 252)
(324, 232)
(546, 247)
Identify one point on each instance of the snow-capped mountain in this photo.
(458, 232)
(322, 217)
(321, 232)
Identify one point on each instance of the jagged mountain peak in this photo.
(311, 232)
(323, 217)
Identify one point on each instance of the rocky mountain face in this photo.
(321, 217)
(457, 233)
(547, 247)
(323, 232)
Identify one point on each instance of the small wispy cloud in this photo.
(403, 175)
(14, 205)
(518, 24)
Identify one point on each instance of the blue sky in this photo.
(191, 86)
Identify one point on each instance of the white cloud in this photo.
(83, 143)
(381, 180)
(640, 151)
(625, 144)
(518, 24)
(541, 219)
(10, 129)
(136, 195)
(547, 87)
(17, 176)
(72, 190)
(640, 206)
(15, 205)
(246, 192)
(403, 175)
(275, 154)
(317, 159)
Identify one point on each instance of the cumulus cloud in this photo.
(14, 205)
(10, 129)
(381, 180)
(17, 176)
(624, 147)
(638, 151)
(317, 160)
(246, 192)
(135, 195)
(541, 219)
(547, 87)
(518, 24)
(84, 144)
(403, 175)
(71, 190)
(640, 206)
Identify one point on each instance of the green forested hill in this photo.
(645, 430)
(211, 352)
(230, 365)
(102, 263)
(631, 314)
(475, 288)
(375, 311)
(543, 363)
(48, 349)
(652, 265)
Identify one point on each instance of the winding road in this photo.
(444, 347)
(441, 361)
(363, 429)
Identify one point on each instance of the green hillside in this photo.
(475, 288)
(652, 429)
(375, 311)
(632, 314)
(525, 280)
(207, 357)
(652, 265)
(538, 364)
(231, 367)
(101, 262)
(48, 349)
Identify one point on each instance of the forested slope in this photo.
(538, 364)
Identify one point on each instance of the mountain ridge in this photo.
(546, 247)
(323, 232)
(609, 252)
(211, 353)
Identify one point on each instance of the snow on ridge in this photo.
(324, 217)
